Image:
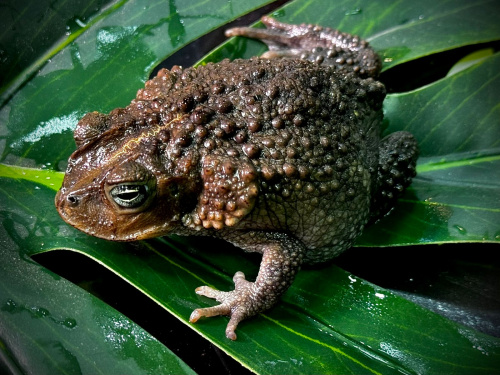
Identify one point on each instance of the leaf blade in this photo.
(151, 270)
(51, 325)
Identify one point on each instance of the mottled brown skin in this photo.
(279, 155)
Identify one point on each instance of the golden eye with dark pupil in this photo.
(129, 196)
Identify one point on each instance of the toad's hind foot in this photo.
(397, 166)
(345, 52)
(239, 304)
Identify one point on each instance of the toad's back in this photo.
(310, 135)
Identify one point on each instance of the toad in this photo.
(280, 155)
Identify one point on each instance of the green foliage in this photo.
(48, 325)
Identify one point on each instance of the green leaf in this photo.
(361, 327)
(423, 28)
(25, 46)
(111, 58)
(470, 60)
(456, 195)
(119, 45)
(398, 31)
(346, 325)
(47, 324)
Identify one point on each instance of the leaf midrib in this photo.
(44, 175)
(436, 166)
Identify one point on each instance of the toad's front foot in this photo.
(243, 302)
(281, 259)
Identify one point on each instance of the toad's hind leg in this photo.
(398, 153)
(281, 260)
(346, 52)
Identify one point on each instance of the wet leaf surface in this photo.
(347, 325)
(49, 325)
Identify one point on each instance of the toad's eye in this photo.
(129, 196)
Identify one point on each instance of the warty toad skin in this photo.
(279, 155)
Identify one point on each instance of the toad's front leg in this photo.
(281, 260)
